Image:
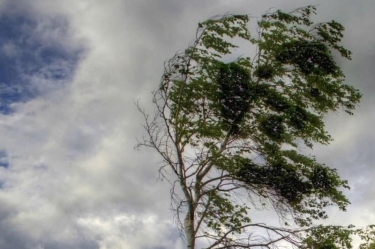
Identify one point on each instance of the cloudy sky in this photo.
(69, 73)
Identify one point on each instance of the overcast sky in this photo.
(69, 73)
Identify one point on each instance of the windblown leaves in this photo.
(234, 94)
(276, 100)
(246, 118)
(311, 57)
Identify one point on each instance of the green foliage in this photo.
(222, 212)
(234, 94)
(265, 72)
(329, 237)
(245, 119)
(367, 237)
(310, 56)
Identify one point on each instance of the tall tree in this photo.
(228, 128)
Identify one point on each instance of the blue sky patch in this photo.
(4, 159)
(35, 58)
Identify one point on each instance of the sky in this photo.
(70, 72)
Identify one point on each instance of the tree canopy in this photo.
(229, 127)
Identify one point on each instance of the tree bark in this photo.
(189, 229)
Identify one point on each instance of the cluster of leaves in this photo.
(367, 236)
(234, 94)
(295, 181)
(310, 56)
(222, 212)
(334, 237)
(329, 237)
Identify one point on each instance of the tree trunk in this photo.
(189, 229)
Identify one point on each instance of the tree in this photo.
(229, 131)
